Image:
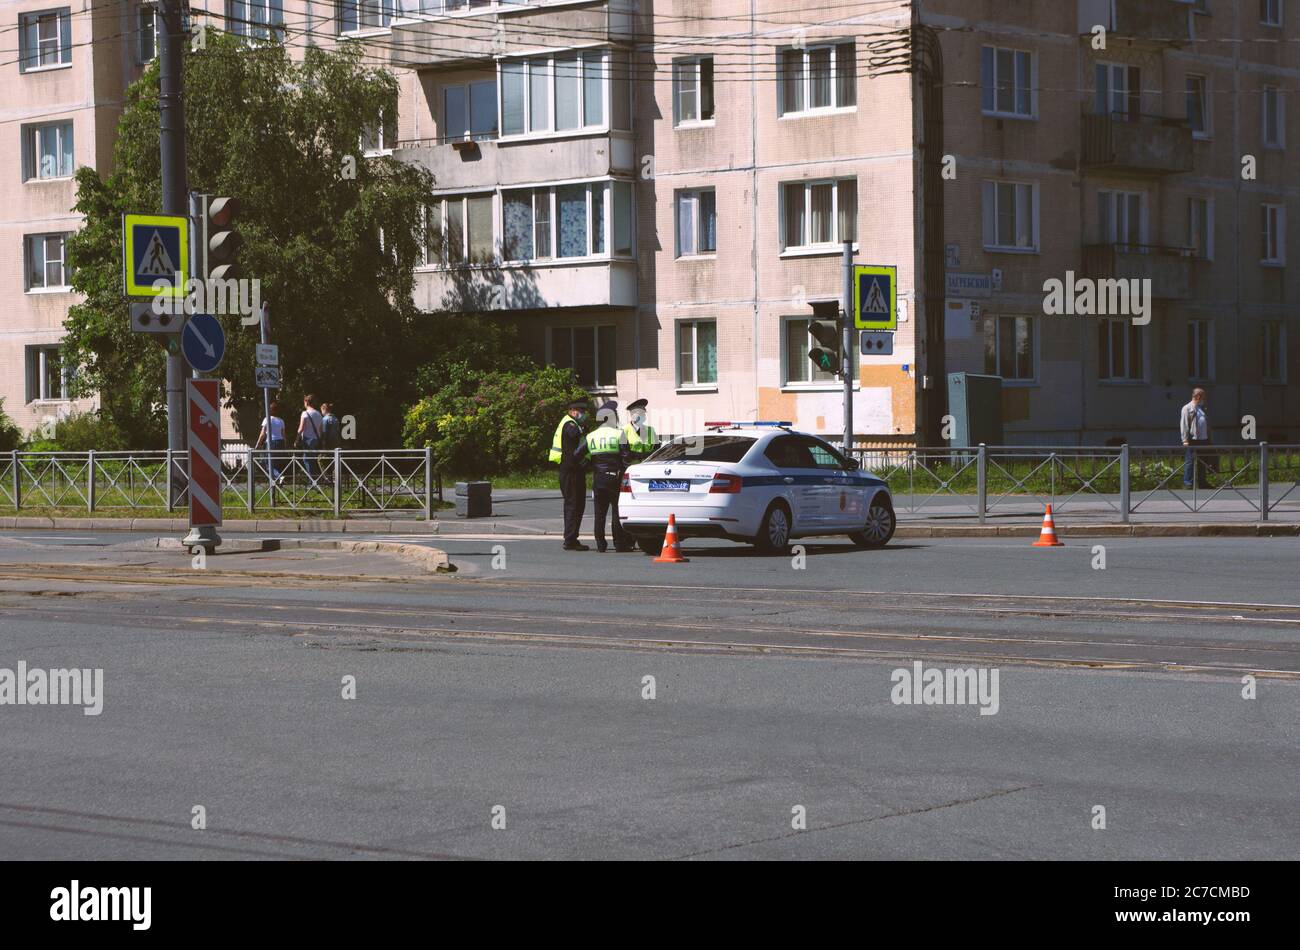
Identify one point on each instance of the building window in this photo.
(380, 138)
(257, 19)
(567, 221)
(620, 90)
(458, 230)
(697, 349)
(1200, 228)
(1118, 92)
(1273, 351)
(1010, 211)
(693, 90)
(1198, 105)
(45, 39)
(795, 344)
(555, 93)
(1274, 118)
(47, 151)
(819, 214)
(356, 15)
(148, 26)
(45, 262)
(1007, 82)
(1121, 216)
(1274, 222)
(1200, 351)
(1270, 12)
(46, 377)
(697, 222)
(818, 78)
(1009, 348)
(1120, 357)
(588, 351)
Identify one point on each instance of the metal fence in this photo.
(1121, 481)
(319, 483)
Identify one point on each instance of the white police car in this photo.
(758, 482)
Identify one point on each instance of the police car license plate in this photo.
(665, 484)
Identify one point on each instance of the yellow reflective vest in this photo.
(557, 441)
(640, 443)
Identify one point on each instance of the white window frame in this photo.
(1200, 335)
(530, 63)
(990, 210)
(1270, 12)
(1117, 199)
(44, 287)
(807, 247)
(1266, 348)
(380, 143)
(1207, 127)
(1273, 91)
(992, 88)
(1206, 206)
(383, 12)
(1113, 69)
(1127, 336)
(446, 134)
(691, 197)
(443, 261)
(806, 81)
(1034, 337)
(1273, 232)
(147, 15)
(829, 382)
(598, 329)
(686, 70)
(691, 329)
(269, 27)
(41, 353)
(32, 150)
(61, 17)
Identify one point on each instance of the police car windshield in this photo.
(704, 448)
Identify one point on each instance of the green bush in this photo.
(504, 425)
(83, 431)
(10, 436)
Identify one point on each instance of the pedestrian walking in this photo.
(641, 439)
(330, 429)
(606, 450)
(565, 446)
(309, 434)
(273, 435)
(1194, 427)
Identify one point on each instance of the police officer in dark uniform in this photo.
(567, 448)
(606, 450)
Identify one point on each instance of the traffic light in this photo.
(825, 328)
(221, 240)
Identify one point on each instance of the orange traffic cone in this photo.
(672, 550)
(1048, 539)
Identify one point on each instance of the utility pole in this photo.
(850, 367)
(175, 200)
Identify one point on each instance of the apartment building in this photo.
(656, 194)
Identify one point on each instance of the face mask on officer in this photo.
(638, 419)
(581, 416)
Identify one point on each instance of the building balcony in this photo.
(517, 287)
(1148, 22)
(486, 160)
(1168, 268)
(453, 34)
(1147, 145)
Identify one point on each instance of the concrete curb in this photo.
(434, 560)
(1204, 529)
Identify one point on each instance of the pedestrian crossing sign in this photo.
(875, 297)
(155, 247)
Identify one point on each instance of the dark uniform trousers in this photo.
(605, 487)
(573, 486)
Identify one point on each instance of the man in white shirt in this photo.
(1194, 427)
(273, 435)
(310, 426)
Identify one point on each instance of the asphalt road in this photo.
(523, 686)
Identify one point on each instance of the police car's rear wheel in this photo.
(774, 532)
(879, 527)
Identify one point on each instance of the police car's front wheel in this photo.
(774, 533)
(879, 527)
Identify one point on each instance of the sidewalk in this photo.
(523, 511)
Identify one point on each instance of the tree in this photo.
(332, 236)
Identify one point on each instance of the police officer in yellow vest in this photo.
(567, 446)
(606, 449)
(641, 439)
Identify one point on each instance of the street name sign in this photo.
(268, 354)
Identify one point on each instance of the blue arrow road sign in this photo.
(203, 342)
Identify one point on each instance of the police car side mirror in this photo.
(852, 465)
